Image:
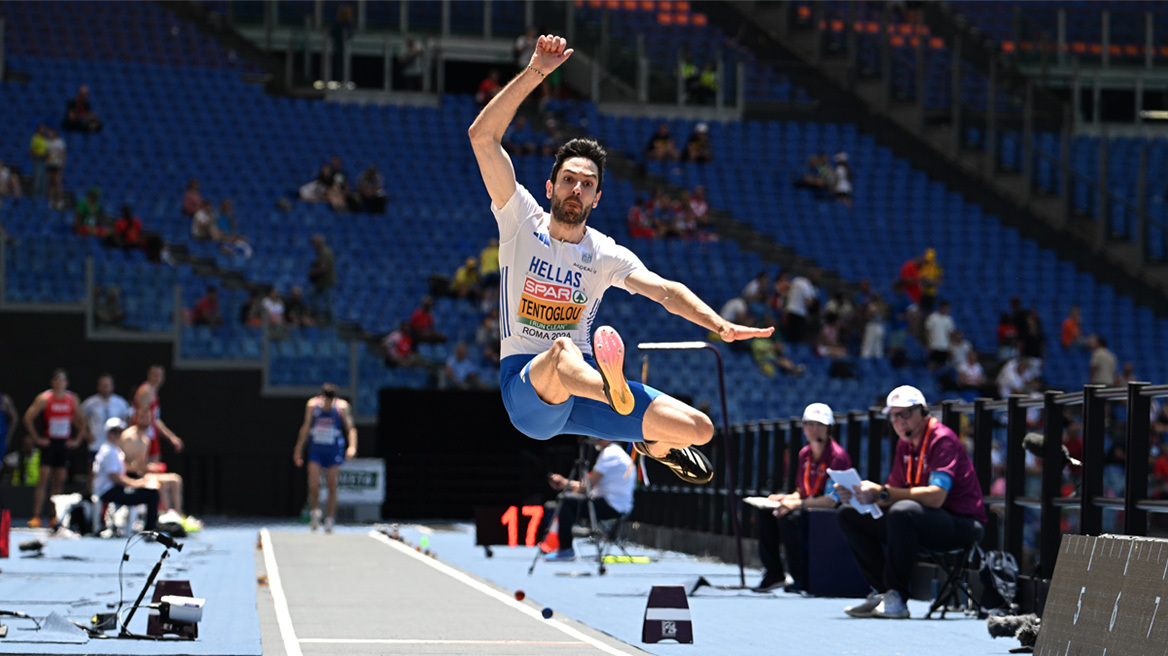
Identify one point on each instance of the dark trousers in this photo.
(906, 527)
(570, 509)
(134, 497)
(788, 531)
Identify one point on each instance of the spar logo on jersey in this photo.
(549, 306)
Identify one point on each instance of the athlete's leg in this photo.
(671, 424)
(561, 371)
(331, 477)
(313, 485)
(38, 497)
(59, 474)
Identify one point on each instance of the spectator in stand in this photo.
(322, 273)
(225, 219)
(699, 208)
(206, 311)
(410, 62)
(203, 225)
(698, 147)
(107, 308)
(524, 47)
(519, 139)
(931, 274)
(662, 147)
(38, 150)
(422, 323)
(939, 327)
(488, 88)
(802, 301)
(370, 195)
(1033, 345)
(910, 279)
(55, 169)
(296, 312)
(872, 343)
(397, 348)
(251, 313)
(959, 348)
(842, 191)
(461, 370)
(127, 230)
(769, 353)
(79, 114)
(315, 190)
(487, 335)
(1007, 338)
(1015, 377)
(274, 308)
(489, 265)
(842, 308)
(820, 177)
(9, 182)
(827, 342)
(465, 284)
(1020, 316)
(336, 193)
(1071, 335)
(88, 217)
(192, 200)
(1127, 375)
(704, 89)
(970, 374)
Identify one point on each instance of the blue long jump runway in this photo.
(358, 592)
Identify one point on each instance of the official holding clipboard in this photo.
(820, 454)
(931, 499)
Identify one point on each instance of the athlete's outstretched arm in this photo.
(679, 300)
(486, 133)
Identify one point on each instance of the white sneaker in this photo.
(328, 524)
(892, 607)
(314, 519)
(867, 608)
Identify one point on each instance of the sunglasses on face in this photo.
(903, 415)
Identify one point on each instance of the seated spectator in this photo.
(827, 343)
(251, 313)
(842, 190)
(111, 483)
(699, 208)
(1015, 377)
(296, 310)
(698, 147)
(203, 225)
(206, 311)
(661, 146)
(225, 219)
(640, 223)
(192, 200)
(872, 343)
(811, 487)
(397, 348)
(314, 191)
(89, 218)
(1072, 330)
(959, 347)
(769, 353)
(1007, 334)
(461, 371)
(970, 373)
(273, 307)
(79, 114)
(370, 192)
(9, 182)
(127, 231)
(465, 283)
(820, 177)
(488, 88)
(107, 308)
(934, 504)
(422, 323)
(841, 307)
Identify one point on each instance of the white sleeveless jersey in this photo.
(549, 288)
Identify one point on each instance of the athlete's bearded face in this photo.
(574, 192)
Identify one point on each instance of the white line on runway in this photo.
(407, 641)
(491, 592)
(283, 617)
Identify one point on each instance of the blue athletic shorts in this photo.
(576, 416)
(326, 455)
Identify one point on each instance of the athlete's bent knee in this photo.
(702, 427)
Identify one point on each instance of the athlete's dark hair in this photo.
(587, 148)
(328, 391)
(59, 372)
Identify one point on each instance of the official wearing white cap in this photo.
(932, 500)
(820, 454)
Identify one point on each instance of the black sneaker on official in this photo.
(690, 465)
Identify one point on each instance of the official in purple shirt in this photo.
(932, 499)
(820, 454)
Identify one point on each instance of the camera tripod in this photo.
(580, 470)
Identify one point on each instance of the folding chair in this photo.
(952, 565)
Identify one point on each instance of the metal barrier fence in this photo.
(762, 457)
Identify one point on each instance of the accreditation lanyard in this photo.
(819, 475)
(914, 479)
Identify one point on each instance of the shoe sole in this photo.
(609, 353)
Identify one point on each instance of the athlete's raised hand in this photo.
(550, 52)
(732, 332)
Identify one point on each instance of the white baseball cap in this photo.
(819, 412)
(905, 396)
(115, 423)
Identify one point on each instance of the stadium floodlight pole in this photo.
(730, 478)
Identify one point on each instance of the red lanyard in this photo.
(912, 480)
(819, 475)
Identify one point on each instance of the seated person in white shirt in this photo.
(612, 480)
(110, 483)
